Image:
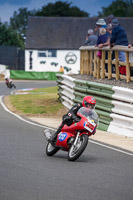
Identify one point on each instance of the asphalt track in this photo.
(27, 173)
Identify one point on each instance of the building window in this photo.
(47, 53)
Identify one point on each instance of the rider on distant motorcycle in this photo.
(71, 116)
(9, 83)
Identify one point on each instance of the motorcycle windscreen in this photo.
(90, 114)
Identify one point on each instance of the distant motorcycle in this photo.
(74, 138)
(9, 83)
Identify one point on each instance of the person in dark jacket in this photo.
(102, 38)
(71, 116)
(118, 37)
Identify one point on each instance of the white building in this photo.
(54, 42)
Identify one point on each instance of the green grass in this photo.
(42, 101)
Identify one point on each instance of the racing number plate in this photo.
(90, 126)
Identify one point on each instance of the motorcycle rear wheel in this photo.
(51, 150)
(76, 151)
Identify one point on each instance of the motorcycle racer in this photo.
(88, 101)
(9, 83)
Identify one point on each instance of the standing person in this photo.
(99, 24)
(131, 68)
(71, 116)
(102, 38)
(118, 37)
(91, 39)
(110, 18)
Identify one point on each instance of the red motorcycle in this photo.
(74, 138)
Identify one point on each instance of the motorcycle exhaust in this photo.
(47, 134)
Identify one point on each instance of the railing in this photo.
(91, 64)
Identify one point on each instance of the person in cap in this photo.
(118, 37)
(91, 39)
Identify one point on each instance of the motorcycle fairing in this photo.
(62, 139)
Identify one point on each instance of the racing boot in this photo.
(53, 138)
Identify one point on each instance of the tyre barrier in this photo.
(114, 104)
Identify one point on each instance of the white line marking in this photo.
(103, 145)
(43, 126)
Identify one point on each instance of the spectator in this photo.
(99, 24)
(119, 37)
(130, 54)
(102, 38)
(108, 31)
(61, 69)
(110, 18)
(91, 39)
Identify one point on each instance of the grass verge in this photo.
(42, 102)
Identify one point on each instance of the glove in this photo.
(76, 119)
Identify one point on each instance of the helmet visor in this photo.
(89, 105)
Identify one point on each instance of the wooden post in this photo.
(86, 61)
(103, 65)
(109, 65)
(95, 64)
(91, 59)
(81, 62)
(98, 67)
(127, 67)
(117, 65)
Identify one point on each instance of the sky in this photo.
(7, 7)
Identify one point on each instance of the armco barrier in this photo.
(114, 104)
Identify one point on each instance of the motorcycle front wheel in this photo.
(51, 150)
(76, 151)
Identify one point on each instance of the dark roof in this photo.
(57, 32)
(64, 32)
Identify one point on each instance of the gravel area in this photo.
(113, 82)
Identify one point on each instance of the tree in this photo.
(9, 37)
(119, 8)
(19, 21)
(61, 9)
